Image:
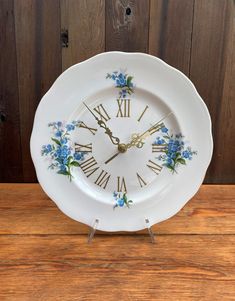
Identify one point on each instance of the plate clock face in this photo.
(121, 138)
(121, 145)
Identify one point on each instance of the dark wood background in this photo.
(195, 36)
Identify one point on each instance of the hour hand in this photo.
(102, 124)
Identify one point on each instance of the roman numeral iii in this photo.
(86, 148)
(83, 125)
(121, 184)
(124, 107)
(89, 166)
(102, 113)
(154, 167)
(158, 148)
(102, 179)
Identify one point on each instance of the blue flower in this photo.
(115, 194)
(59, 123)
(70, 127)
(121, 80)
(169, 161)
(120, 202)
(62, 167)
(58, 134)
(113, 76)
(164, 129)
(64, 140)
(186, 154)
(78, 156)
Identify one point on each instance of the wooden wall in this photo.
(195, 36)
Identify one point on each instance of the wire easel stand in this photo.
(93, 229)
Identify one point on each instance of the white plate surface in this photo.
(155, 83)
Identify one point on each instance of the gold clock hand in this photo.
(137, 140)
(101, 123)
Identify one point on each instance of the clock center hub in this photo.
(122, 148)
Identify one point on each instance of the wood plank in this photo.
(178, 267)
(37, 26)
(212, 72)
(25, 209)
(170, 31)
(127, 23)
(10, 145)
(85, 22)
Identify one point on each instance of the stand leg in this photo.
(151, 234)
(92, 231)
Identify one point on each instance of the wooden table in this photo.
(44, 254)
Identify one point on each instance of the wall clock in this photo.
(120, 138)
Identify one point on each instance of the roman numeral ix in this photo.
(124, 107)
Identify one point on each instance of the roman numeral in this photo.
(102, 113)
(142, 114)
(86, 148)
(141, 181)
(121, 185)
(124, 107)
(156, 128)
(154, 167)
(83, 125)
(158, 148)
(102, 179)
(89, 166)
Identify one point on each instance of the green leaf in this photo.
(75, 163)
(182, 161)
(56, 141)
(61, 172)
(70, 158)
(166, 137)
(128, 81)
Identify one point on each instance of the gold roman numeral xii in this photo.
(124, 107)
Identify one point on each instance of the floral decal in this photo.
(174, 149)
(123, 82)
(60, 152)
(121, 200)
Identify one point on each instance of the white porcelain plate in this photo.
(120, 138)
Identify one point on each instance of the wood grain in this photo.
(127, 32)
(178, 267)
(37, 26)
(85, 22)
(211, 69)
(10, 143)
(195, 36)
(30, 211)
(170, 31)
